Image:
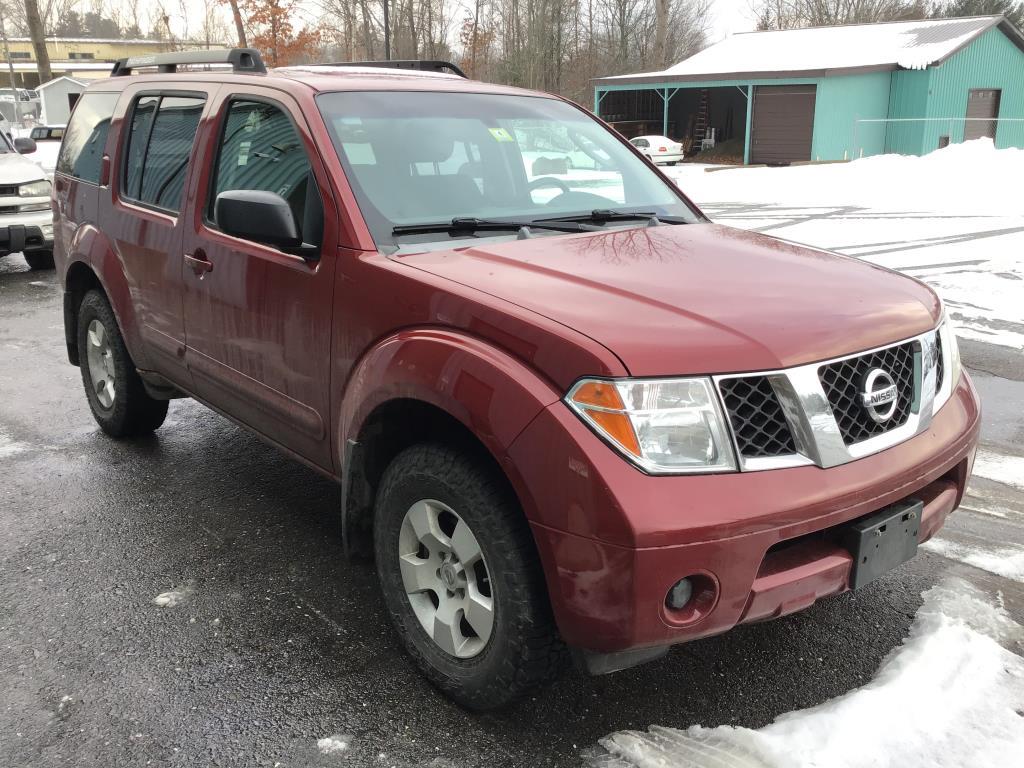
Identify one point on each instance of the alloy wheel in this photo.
(446, 578)
(100, 358)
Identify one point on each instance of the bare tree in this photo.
(236, 15)
(38, 35)
(553, 45)
(793, 14)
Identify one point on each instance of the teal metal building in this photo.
(834, 93)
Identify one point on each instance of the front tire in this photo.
(38, 260)
(117, 396)
(461, 578)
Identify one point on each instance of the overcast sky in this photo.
(731, 16)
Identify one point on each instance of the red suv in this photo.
(568, 413)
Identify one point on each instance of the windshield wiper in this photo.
(604, 215)
(476, 225)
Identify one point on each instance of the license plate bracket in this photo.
(883, 540)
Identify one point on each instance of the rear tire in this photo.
(117, 396)
(39, 259)
(486, 560)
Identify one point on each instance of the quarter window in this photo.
(81, 153)
(160, 139)
(260, 149)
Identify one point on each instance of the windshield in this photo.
(421, 158)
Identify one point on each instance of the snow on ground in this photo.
(175, 597)
(1008, 470)
(9, 446)
(330, 745)
(950, 697)
(953, 218)
(1007, 562)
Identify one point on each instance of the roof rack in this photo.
(423, 65)
(240, 59)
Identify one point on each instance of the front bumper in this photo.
(32, 231)
(613, 540)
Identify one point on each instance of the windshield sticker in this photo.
(500, 134)
(243, 153)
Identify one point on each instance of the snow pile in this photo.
(175, 597)
(330, 745)
(950, 696)
(968, 178)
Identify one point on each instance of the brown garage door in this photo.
(783, 123)
(983, 104)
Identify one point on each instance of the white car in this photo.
(26, 220)
(659, 148)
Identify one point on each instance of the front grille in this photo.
(843, 382)
(940, 367)
(756, 416)
(6, 190)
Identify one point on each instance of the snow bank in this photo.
(950, 697)
(968, 178)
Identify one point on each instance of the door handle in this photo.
(198, 262)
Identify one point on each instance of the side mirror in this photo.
(256, 215)
(24, 146)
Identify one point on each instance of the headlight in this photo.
(950, 353)
(39, 188)
(664, 426)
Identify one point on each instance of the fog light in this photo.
(679, 595)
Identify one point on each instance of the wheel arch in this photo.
(430, 386)
(79, 279)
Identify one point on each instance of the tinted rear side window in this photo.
(160, 142)
(86, 137)
(138, 134)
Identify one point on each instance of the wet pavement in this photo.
(268, 641)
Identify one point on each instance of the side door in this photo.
(145, 224)
(257, 316)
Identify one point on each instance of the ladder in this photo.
(700, 127)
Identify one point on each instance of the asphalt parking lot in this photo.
(267, 641)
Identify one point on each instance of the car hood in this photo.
(697, 298)
(17, 169)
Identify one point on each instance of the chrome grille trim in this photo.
(815, 431)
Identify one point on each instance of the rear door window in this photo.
(85, 140)
(160, 139)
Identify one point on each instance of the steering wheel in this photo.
(549, 181)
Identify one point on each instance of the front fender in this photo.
(492, 393)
